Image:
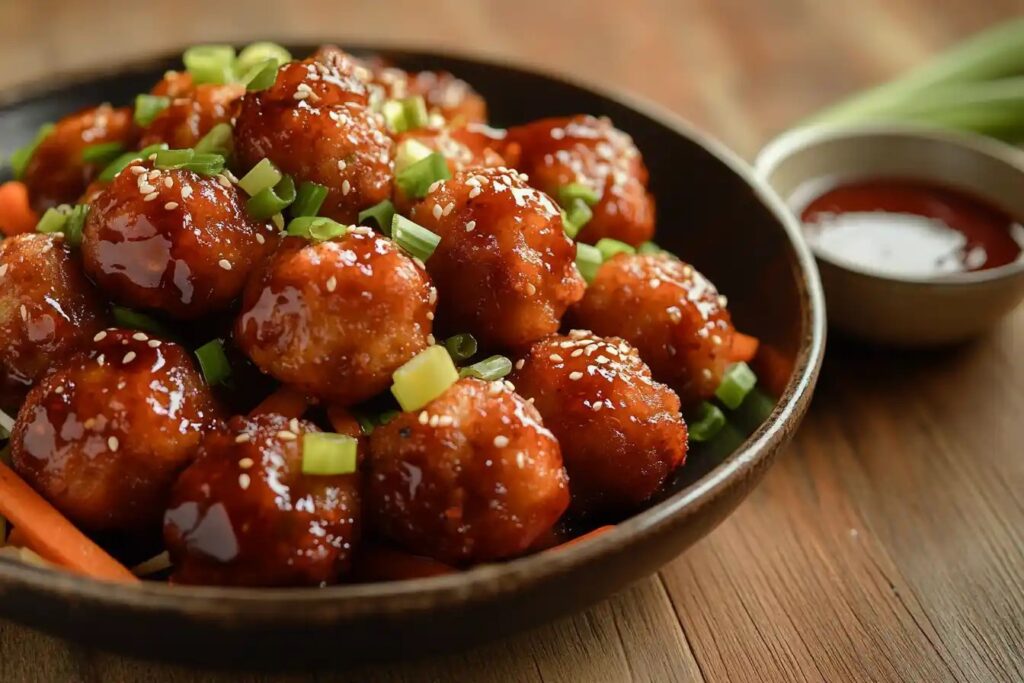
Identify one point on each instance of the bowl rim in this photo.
(798, 140)
(487, 580)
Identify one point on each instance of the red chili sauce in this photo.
(911, 229)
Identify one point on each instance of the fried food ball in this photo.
(472, 477)
(174, 84)
(315, 124)
(591, 151)
(173, 241)
(47, 310)
(335, 319)
(453, 98)
(244, 514)
(106, 434)
(472, 146)
(505, 270)
(191, 116)
(671, 313)
(621, 433)
(56, 173)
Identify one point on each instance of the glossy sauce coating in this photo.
(173, 241)
(505, 270)
(671, 313)
(190, 116)
(589, 150)
(444, 94)
(56, 173)
(621, 433)
(47, 310)
(472, 477)
(244, 514)
(336, 318)
(105, 435)
(315, 124)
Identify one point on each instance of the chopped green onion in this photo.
(210, 63)
(76, 222)
(173, 158)
(119, 164)
(708, 421)
(263, 175)
(6, 425)
(102, 153)
(382, 212)
(461, 347)
(488, 369)
(609, 247)
(22, 155)
(217, 141)
(278, 220)
(578, 215)
(53, 220)
(394, 116)
(423, 378)
(213, 361)
(261, 76)
(255, 54)
(147, 107)
(133, 320)
(571, 229)
(588, 261)
(649, 248)
(325, 454)
(272, 200)
(416, 179)
(567, 194)
(409, 152)
(317, 228)
(405, 114)
(368, 422)
(308, 199)
(203, 164)
(415, 239)
(737, 382)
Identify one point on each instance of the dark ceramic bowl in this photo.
(712, 211)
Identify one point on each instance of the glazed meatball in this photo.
(471, 146)
(190, 117)
(504, 268)
(174, 84)
(56, 173)
(244, 514)
(591, 151)
(621, 432)
(444, 94)
(105, 435)
(472, 477)
(173, 241)
(336, 319)
(315, 124)
(47, 310)
(670, 312)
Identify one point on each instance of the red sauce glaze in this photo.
(244, 514)
(912, 228)
(190, 117)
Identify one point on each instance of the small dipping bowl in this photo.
(874, 304)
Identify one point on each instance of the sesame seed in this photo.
(531, 289)
(577, 353)
(140, 336)
(245, 463)
(153, 343)
(555, 357)
(244, 480)
(293, 425)
(260, 238)
(430, 339)
(285, 435)
(346, 187)
(332, 283)
(186, 192)
(509, 385)
(597, 406)
(168, 181)
(474, 193)
(224, 263)
(128, 357)
(137, 170)
(470, 226)
(495, 388)
(24, 312)
(112, 444)
(501, 441)
(430, 315)
(433, 420)
(575, 375)
(151, 196)
(59, 390)
(715, 339)
(437, 211)
(341, 164)
(603, 360)
(445, 421)
(432, 297)
(654, 283)
(89, 423)
(224, 182)
(242, 438)
(154, 174)
(449, 207)
(100, 336)
(171, 206)
(424, 417)
(101, 359)
(3, 270)
(520, 460)
(706, 373)
(567, 344)
(520, 363)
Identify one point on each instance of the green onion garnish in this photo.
(588, 261)
(148, 106)
(394, 116)
(415, 109)
(609, 247)
(409, 152)
(133, 320)
(22, 155)
(217, 141)
(119, 164)
(737, 382)
(173, 158)
(319, 228)
(75, 224)
(578, 215)
(204, 164)
(261, 76)
(488, 369)
(272, 200)
(263, 175)
(461, 347)
(308, 199)
(708, 421)
(415, 239)
(649, 248)
(571, 229)
(567, 194)
(255, 54)
(325, 454)
(102, 153)
(52, 220)
(210, 63)
(6, 427)
(213, 361)
(383, 212)
(423, 378)
(417, 178)
(369, 422)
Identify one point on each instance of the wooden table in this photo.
(886, 544)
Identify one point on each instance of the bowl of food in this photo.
(338, 358)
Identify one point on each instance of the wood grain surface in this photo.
(887, 544)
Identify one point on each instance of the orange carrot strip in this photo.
(585, 537)
(50, 534)
(377, 563)
(744, 347)
(344, 422)
(285, 401)
(16, 215)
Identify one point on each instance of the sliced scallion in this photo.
(567, 194)
(649, 248)
(119, 164)
(217, 141)
(588, 261)
(308, 199)
(737, 382)
(706, 423)
(133, 320)
(261, 76)
(272, 200)
(413, 238)
(210, 63)
(409, 152)
(317, 228)
(609, 247)
(415, 109)
(102, 152)
(488, 369)
(173, 158)
(263, 175)
(204, 164)
(75, 224)
(383, 213)
(423, 378)
(394, 116)
(416, 179)
(326, 454)
(213, 362)
(577, 215)
(147, 107)
(257, 53)
(461, 347)
(53, 220)
(22, 155)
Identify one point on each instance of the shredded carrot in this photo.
(344, 422)
(377, 563)
(285, 401)
(16, 214)
(744, 347)
(47, 532)
(585, 537)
